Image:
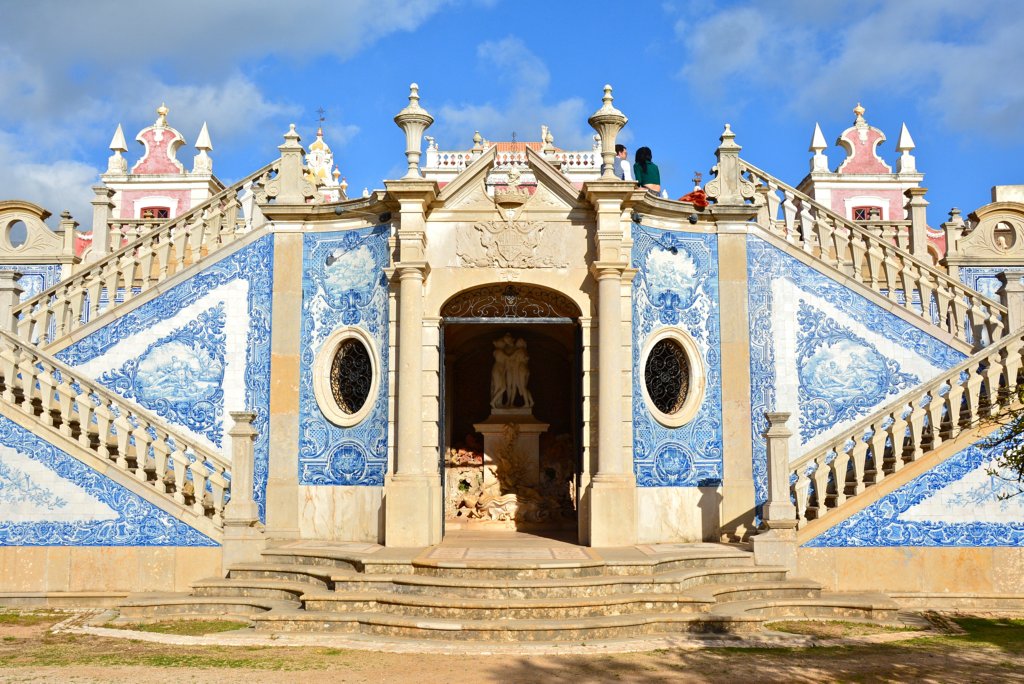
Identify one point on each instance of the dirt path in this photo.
(29, 653)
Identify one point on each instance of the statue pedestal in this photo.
(525, 449)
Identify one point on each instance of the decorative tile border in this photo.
(772, 274)
(247, 273)
(49, 498)
(343, 284)
(954, 504)
(677, 285)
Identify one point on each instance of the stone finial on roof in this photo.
(413, 120)
(905, 145)
(607, 121)
(116, 163)
(161, 115)
(202, 163)
(819, 162)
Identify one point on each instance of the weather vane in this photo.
(321, 111)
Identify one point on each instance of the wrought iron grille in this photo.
(667, 375)
(510, 301)
(351, 375)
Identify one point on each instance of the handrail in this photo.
(902, 431)
(138, 266)
(130, 438)
(881, 265)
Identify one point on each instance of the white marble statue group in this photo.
(510, 373)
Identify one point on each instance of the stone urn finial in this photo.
(414, 120)
(607, 121)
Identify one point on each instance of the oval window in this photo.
(351, 375)
(667, 376)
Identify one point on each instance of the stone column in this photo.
(102, 207)
(412, 493)
(917, 208)
(1011, 295)
(243, 534)
(10, 297)
(777, 545)
(612, 493)
(736, 509)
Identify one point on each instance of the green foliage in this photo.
(1009, 465)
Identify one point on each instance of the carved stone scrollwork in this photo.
(510, 301)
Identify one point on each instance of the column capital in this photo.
(610, 269)
(411, 269)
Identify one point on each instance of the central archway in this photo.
(513, 466)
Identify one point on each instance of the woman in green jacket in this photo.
(646, 171)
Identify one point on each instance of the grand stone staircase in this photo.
(519, 592)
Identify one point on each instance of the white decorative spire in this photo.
(202, 163)
(819, 162)
(905, 145)
(116, 163)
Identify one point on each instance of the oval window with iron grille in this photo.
(351, 375)
(673, 377)
(667, 374)
(345, 376)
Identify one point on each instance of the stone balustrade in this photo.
(877, 261)
(62, 401)
(917, 422)
(139, 265)
(458, 160)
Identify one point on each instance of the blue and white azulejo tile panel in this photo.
(677, 286)
(984, 279)
(957, 503)
(34, 277)
(196, 352)
(343, 285)
(824, 353)
(49, 498)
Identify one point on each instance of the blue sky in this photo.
(71, 71)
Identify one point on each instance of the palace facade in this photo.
(509, 338)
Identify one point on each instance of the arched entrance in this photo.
(511, 419)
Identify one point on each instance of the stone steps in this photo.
(508, 630)
(593, 586)
(605, 594)
(149, 607)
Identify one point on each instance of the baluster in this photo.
(110, 278)
(801, 492)
(840, 468)
(820, 475)
(878, 440)
(95, 289)
(65, 402)
(973, 396)
(826, 246)
(8, 366)
(86, 413)
(104, 417)
(47, 384)
(163, 253)
(954, 400)
(146, 262)
(807, 226)
(161, 452)
(181, 463)
(908, 280)
(123, 428)
(915, 425)
(934, 409)
(926, 284)
(178, 237)
(992, 373)
(200, 475)
(789, 211)
(892, 269)
(218, 485)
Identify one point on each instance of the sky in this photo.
(953, 71)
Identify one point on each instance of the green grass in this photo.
(28, 618)
(1005, 634)
(186, 627)
(833, 629)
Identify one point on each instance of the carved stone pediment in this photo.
(997, 234)
(508, 243)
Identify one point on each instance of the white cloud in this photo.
(959, 59)
(70, 71)
(510, 61)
